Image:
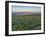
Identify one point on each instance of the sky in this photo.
(25, 8)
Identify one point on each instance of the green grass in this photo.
(26, 22)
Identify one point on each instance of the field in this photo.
(26, 22)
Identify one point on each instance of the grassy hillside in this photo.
(26, 22)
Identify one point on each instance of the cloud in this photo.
(25, 8)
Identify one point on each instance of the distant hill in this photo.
(26, 13)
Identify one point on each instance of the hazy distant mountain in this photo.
(26, 13)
